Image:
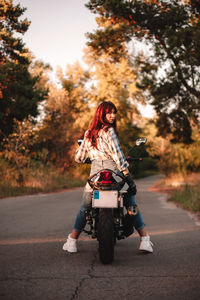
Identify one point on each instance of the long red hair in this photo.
(99, 121)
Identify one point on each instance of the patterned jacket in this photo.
(108, 147)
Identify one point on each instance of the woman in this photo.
(101, 145)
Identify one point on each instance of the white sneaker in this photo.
(146, 244)
(70, 244)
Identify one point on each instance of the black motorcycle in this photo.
(108, 219)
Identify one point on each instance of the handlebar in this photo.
(131, 159)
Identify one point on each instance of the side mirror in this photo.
(79, 142)
(140, 141)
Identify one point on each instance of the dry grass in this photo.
(37, 180)
(184, 191)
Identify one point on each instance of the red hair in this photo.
(99, 121)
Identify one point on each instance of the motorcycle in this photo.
(108, 219)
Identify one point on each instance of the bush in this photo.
(144, 168)
(37, 177)
(173, 158)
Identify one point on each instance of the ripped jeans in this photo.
(96, 166)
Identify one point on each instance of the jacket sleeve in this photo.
(116, 150)
(81, 153)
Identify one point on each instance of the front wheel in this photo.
(105, 235)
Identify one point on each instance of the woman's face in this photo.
(111, 116)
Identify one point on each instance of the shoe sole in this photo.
(69, 251)
(145, 251)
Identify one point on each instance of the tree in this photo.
(19, 94)
(12, 47)
(116, 82)
(171, 73)
(18, 146)
(66, 116)
(173, 159)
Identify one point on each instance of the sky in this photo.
(57, 31)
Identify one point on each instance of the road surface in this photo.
(33, 265)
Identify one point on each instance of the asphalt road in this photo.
(33, 265)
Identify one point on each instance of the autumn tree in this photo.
(41, 71)
(66, 116)
(18, 146)
(171, 72)
(19, 94)
(173, 159)
(116, 82)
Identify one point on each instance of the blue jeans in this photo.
(96, 166)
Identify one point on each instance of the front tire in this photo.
(105, 235)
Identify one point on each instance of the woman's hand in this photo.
(125, 172)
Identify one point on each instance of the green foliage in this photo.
(171, 72)
(20, 97)
(144, 168)
(12, 47)
(19, 94)
(174, 158)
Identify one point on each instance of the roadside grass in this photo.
(37, 179)
(9, 190)
(184, 191)
(188, 197)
